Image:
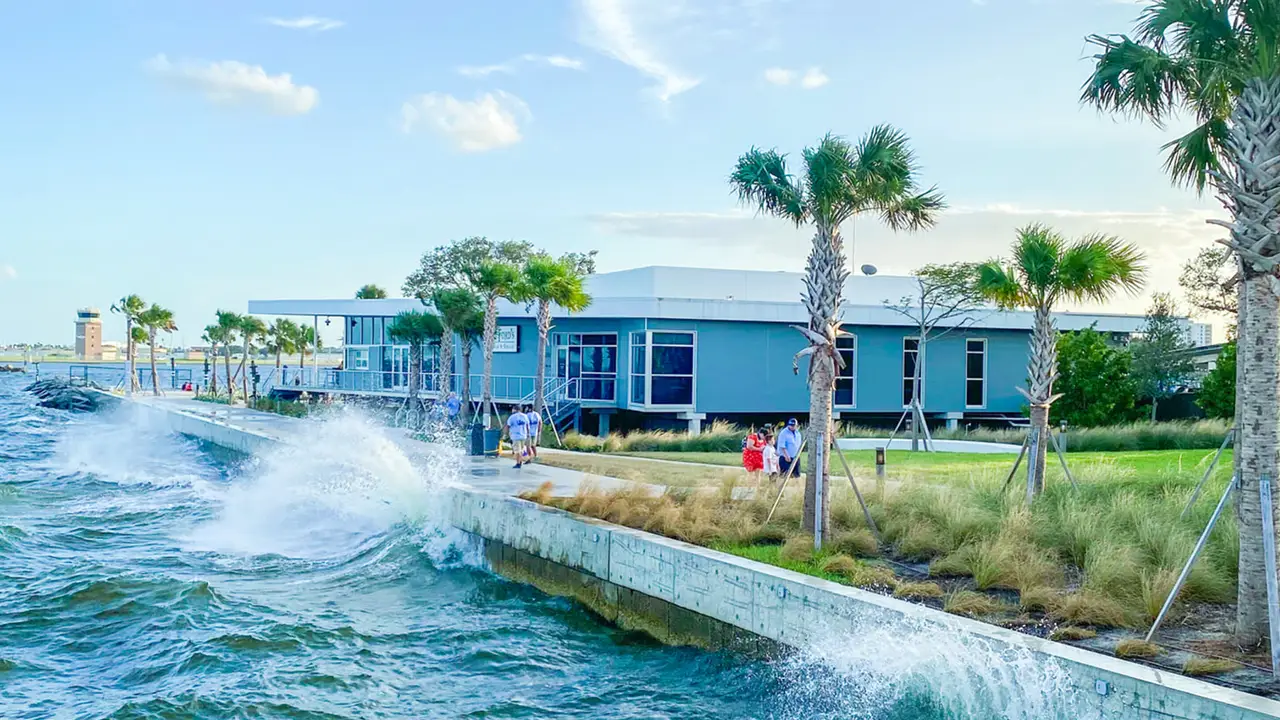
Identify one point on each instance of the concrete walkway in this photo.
(483, 473)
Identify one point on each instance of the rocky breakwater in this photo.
(62, 395)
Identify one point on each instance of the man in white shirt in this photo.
(518, 431)
(535, 430)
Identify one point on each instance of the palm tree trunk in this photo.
(540, 374)
(490, 334)
(466, 378)
(444, 369)
(415, 380)
(1041, 372)
(213, 375)
(226, 363)
(131, 354)
(277, 360)
(825, 275)
(244, 376)
(1251, 193)
(155, 376)
(1154, 401)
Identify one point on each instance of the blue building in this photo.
(675, 347)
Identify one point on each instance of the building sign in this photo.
(507, 339)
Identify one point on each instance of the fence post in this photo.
(1273, 593)
(819, 448)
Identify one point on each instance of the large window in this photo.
(592, 360)
(847, 377)
(975, 373)
(910, 356)
(662, 368)
(367, 331)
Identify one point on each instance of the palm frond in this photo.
(914, 213)
(999, 284)
(1191, 158)
(1096, 266)
(829, 168)
(1133, 78)
(885, 167)
(415, 327)
(760, 179)
(1037, 253)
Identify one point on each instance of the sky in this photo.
(205, 154)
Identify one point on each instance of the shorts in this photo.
(518, 446)
(535, 439)
(784, 466)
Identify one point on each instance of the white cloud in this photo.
(490, 121)
(812, 78)
(8, 272)
(741, 238)
(307, 22)
(509, 67)
(621, 30)
(235, 83)
(779, 76)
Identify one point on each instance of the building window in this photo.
(975, 373)
(662, 368)
(359, 359)
(910, 354)
(847, 376)
(591, 360)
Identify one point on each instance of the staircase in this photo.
(559, 401)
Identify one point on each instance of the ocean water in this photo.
(143, 575)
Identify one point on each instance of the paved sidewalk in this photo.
(493, 474)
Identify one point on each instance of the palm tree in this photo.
(1216, 61)
(229, 324)
(251, 330)
(839, 181)
(282, 336)
(417, 329)
(1045, 269)
(470, 329)
(493, 279)
(131, 306)
(304, 340)
(214, 335)
(455, 306)
(370, 292)
(154, 320)
(546, 281)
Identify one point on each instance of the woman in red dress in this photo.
(753, 455)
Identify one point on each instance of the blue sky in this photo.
(202, 154)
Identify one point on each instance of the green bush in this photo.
(291, 408)
(1218, 389)
(1175, 435)
(216, 399)
(719, 437)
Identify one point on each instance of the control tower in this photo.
(89, 334)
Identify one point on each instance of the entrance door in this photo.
(399, 367)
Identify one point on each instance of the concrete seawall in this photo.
(684, 594)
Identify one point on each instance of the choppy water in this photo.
(145, 576)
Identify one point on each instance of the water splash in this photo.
(329, 493)
(913, 668)
(128, 447)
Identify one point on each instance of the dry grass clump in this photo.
(1198, 666)
(971, 604)
(873, 577)
(1070, 633)
(918, 591)
(1043, 599)
(797, 549)
(839, 565)
(1135, 648)
(859, 543)
(541, 495)
(1091, 608)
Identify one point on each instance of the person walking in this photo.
(770, 455)
(753, 456)
(454, 406)
(518, 431)
(789, 449)
(535, 431)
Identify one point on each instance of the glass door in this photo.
(400, 367)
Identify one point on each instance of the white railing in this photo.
(504, 388)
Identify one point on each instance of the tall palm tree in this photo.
(281, 339)
(454, 306)
(305, 340)
(546, 280)
(251, 330)
(370, 292)
(155, 320)
(1044, 270)
(1217, 61)
(229, 322)
(493, 279)
(470, 329)
(417, 329)
(839, 181)
(131, 306)
(214, 335)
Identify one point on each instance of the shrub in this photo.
(858, 542)
(1135, 648)
(839, 565)
(1173, 435)
(1198, 666)
(1043, 599)
(872, 577)
(1068, 633)
(918, 590)
(797, 549)
(1091, 608)
(971, 604)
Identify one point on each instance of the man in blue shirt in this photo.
(518, 430)
(535, 430)
(789, 449)
(454, 406)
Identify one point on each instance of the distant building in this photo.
(1200, 334)
(89, 334)
(111, 351)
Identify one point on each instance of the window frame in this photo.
(571, 341)
(986, 349)
(853, 372)
(646, 375)
(906, 399)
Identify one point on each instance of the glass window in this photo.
(355, 338)
(359, 359)
(672, 360)
(637, 389)
(671, 390)
(672, 338)
(975, 376)
(846, 377)
(910, 351)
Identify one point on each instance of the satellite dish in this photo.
(868, 269)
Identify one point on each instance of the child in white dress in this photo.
(770, 457)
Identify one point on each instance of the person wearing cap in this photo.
(789, 448)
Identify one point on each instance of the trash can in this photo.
(484, 442)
